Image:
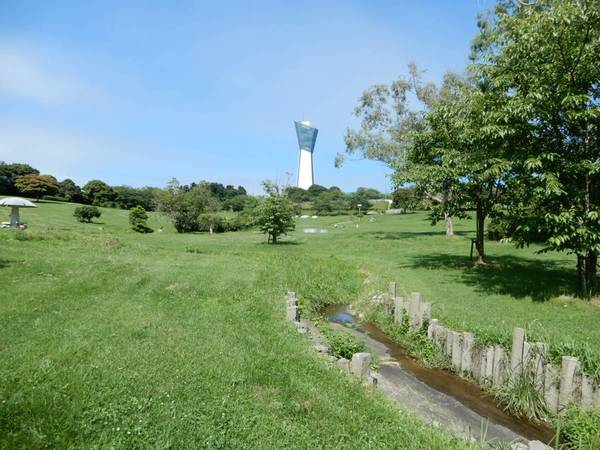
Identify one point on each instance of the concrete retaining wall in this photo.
(495, 365)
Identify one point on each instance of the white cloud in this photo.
(25, 74)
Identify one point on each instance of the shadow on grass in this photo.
(398, 235)
(4, 263)
(508, 275)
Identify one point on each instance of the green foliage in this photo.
(238, 203)
(329, 201)
(541, 67)
(342, 345)
(9, 174)
(297, 195)
(415, 343)
(408, 200)
(315, 190)
(36, 186)
(581, 428)
(127, 197)
(184, 204)
(69, 191)
(86, 213)
(138, 220)
(213, 223)
(99, 193)
(275, 217)
(522, 397)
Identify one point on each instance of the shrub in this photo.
(213, 223)
(581, 428)
(86, 213)
(342, 345)
(275, 216)
(138, 220)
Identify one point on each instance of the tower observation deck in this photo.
(307, 137)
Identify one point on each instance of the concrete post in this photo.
(499, 371)
(551, 380)
(399, 306)
(439, 335)
(527, 353)
(489, 364)
(478, 364)
(413, 312)
(424, 313)
(449, 342)
(392, 289)
(466, 363)
(567, 377)
(596, 397)
(431, 328)
(587, 392)
(538, 445)
(516, 356)
(343, 364)
(292, 313)
(537, 361)
(360, 364)
(456, 350)
(416, 296)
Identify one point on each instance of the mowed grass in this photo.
(115, 339)
(516, 288)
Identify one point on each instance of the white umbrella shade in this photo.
(15, 203)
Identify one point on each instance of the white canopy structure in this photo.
(15, 203)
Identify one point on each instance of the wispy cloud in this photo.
(26, 74)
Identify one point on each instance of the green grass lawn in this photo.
(112, 338)
(116, 339)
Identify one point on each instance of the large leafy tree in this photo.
(183, 204)
(36, 186)
(98, 192)
(462, 153)
(9, 174)
(544, 61)
(274, 215)
(392, 119)
(68, 190)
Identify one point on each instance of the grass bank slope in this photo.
(116, 339)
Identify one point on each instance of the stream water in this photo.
(467, 393)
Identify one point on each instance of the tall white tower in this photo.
(307, 136)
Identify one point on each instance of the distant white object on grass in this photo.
(314, 217)
(315, 230)
(304, 217)
(15, 203)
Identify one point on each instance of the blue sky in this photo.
(138, 92)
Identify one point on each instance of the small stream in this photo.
(468, 394)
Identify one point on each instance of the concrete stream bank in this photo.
(437, 396)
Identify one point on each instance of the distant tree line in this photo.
(22, 179)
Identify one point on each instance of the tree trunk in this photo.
(274, 238)
(479, 236)
(210, 229)
(449, 224)
(587, 278)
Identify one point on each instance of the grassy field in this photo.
(111, 338)
(116, 339)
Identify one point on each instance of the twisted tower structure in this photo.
(307, 137)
